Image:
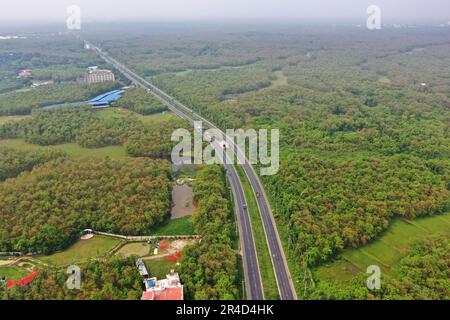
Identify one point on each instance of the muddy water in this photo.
(183, 200)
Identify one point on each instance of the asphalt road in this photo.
(253, 281)
(279, 262)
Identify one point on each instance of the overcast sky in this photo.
(93, 10)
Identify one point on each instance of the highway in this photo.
(253, 283)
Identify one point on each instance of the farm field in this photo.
(387, 250)
(82, 251)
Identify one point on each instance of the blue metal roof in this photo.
(106, 98)
(101, 100)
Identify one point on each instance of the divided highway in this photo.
(254, 289)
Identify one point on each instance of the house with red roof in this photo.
(165, 289)
(24, 74)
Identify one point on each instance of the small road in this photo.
(252, 275)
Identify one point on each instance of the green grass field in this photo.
(387, 250)
(281, 79)
(13, 272)
(141, 249)
(158, 117)
(181, 226)
(264, 261)
(111, 113)
(159, 267)
(71, 149)
(82, 251)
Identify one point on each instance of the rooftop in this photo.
(167, 294)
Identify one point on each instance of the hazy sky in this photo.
(92, 10)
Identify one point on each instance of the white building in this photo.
(169, 288)
(95, 75)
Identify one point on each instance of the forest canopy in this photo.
(138, 100)
(13, 162)
(106, 279)
(209, 270)
(46, 209)
(91, 130)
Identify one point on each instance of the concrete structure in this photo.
(142, 268)
(165, 289)
(95, 75)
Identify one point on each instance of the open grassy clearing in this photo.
(265, 264)
(181, 226)
(158, 117)
(71, 149)
(280, 79)
(111, 113)
(159, 267)
(82, 251)
(141, 249)
(13, 272)
(387, 250)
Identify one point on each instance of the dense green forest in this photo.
(209, 270)
(332, 204)
(111, 279)
(364, 123)
(62, 197)
(138, 100)
(363, 117)
(13, 162)
(91, 130)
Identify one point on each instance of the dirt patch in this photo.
(179, 244)
(173, 257)
(171, 250)
(138, 249)
(7, 262)
(28, 266)
(163, 245)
